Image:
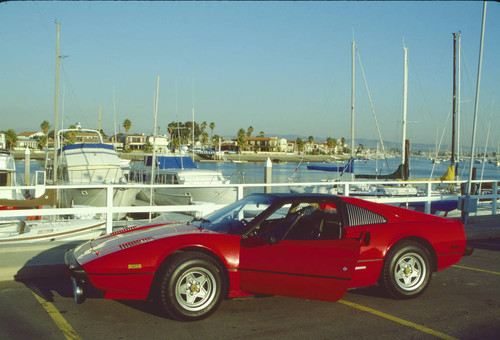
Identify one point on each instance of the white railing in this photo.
(428, 192)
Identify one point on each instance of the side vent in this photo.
(361, 216)
(135, 243)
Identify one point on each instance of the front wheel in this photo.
(191, 287)
(407, 270)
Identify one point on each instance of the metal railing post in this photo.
(428, 201)
(494, 199)
(109, 206)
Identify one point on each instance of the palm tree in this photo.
(127, 124)
(204, 138)
(241, 139)
(11, 137)
(261, 134)
(300, 144)
(42, 141)
(45, 126)
(203, 127)
(212, 127)
(331, 142)
(249, 131)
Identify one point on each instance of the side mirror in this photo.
(271, 240)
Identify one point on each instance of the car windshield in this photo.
(233, 218)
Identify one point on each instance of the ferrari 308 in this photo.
(272, 244)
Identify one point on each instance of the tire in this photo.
(407, 270)
(191, 287)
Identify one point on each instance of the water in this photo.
(254, 172)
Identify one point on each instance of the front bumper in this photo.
(78, 276)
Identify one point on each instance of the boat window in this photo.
(3, 179)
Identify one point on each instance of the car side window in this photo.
(361, 216)
(316, 222)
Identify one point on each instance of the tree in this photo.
(241, 139)
(45, 126)
(300, 144)
(261, 134)
(212, 127)
(42, 141)
(249, 131)
(11, 137)
(331, 142)
(241, 143)
(127, 124)
(203, 127)
(204, 138)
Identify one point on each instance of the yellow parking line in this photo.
(60, 322)
(476, 269)
(398, 320)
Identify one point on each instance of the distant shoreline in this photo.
(244, 157)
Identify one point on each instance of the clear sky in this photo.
(281, 67)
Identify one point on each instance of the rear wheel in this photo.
(191, 287)
(407, 270)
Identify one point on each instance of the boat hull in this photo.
(122, 197)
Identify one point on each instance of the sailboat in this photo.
(360, 188)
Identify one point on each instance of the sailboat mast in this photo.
(405, 102)
(454, 123)
(458, 95)
(56, 113)
(353, 47)
(153, 162)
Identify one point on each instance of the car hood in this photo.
(129, 237)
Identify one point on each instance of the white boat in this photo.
(21, 231)
(95, 164)
(181, 170)
(8, 177)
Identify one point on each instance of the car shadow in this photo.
(373, 291)
(492, 244)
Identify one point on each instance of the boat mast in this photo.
(153, 163)
(458, 96)
(56, 113)
(405, 101)
(465, 214)
(353, 47)
(453, 124)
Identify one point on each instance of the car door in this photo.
(311, 269)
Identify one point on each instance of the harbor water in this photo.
(247, 172)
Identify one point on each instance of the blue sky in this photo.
(281, 67)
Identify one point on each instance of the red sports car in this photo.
(308, 246)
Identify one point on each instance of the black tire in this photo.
(191, 287)
(407, 270)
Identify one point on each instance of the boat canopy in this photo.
(349, 167)
(172, 162)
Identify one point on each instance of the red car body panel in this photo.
(444, 238)
(311, 264)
